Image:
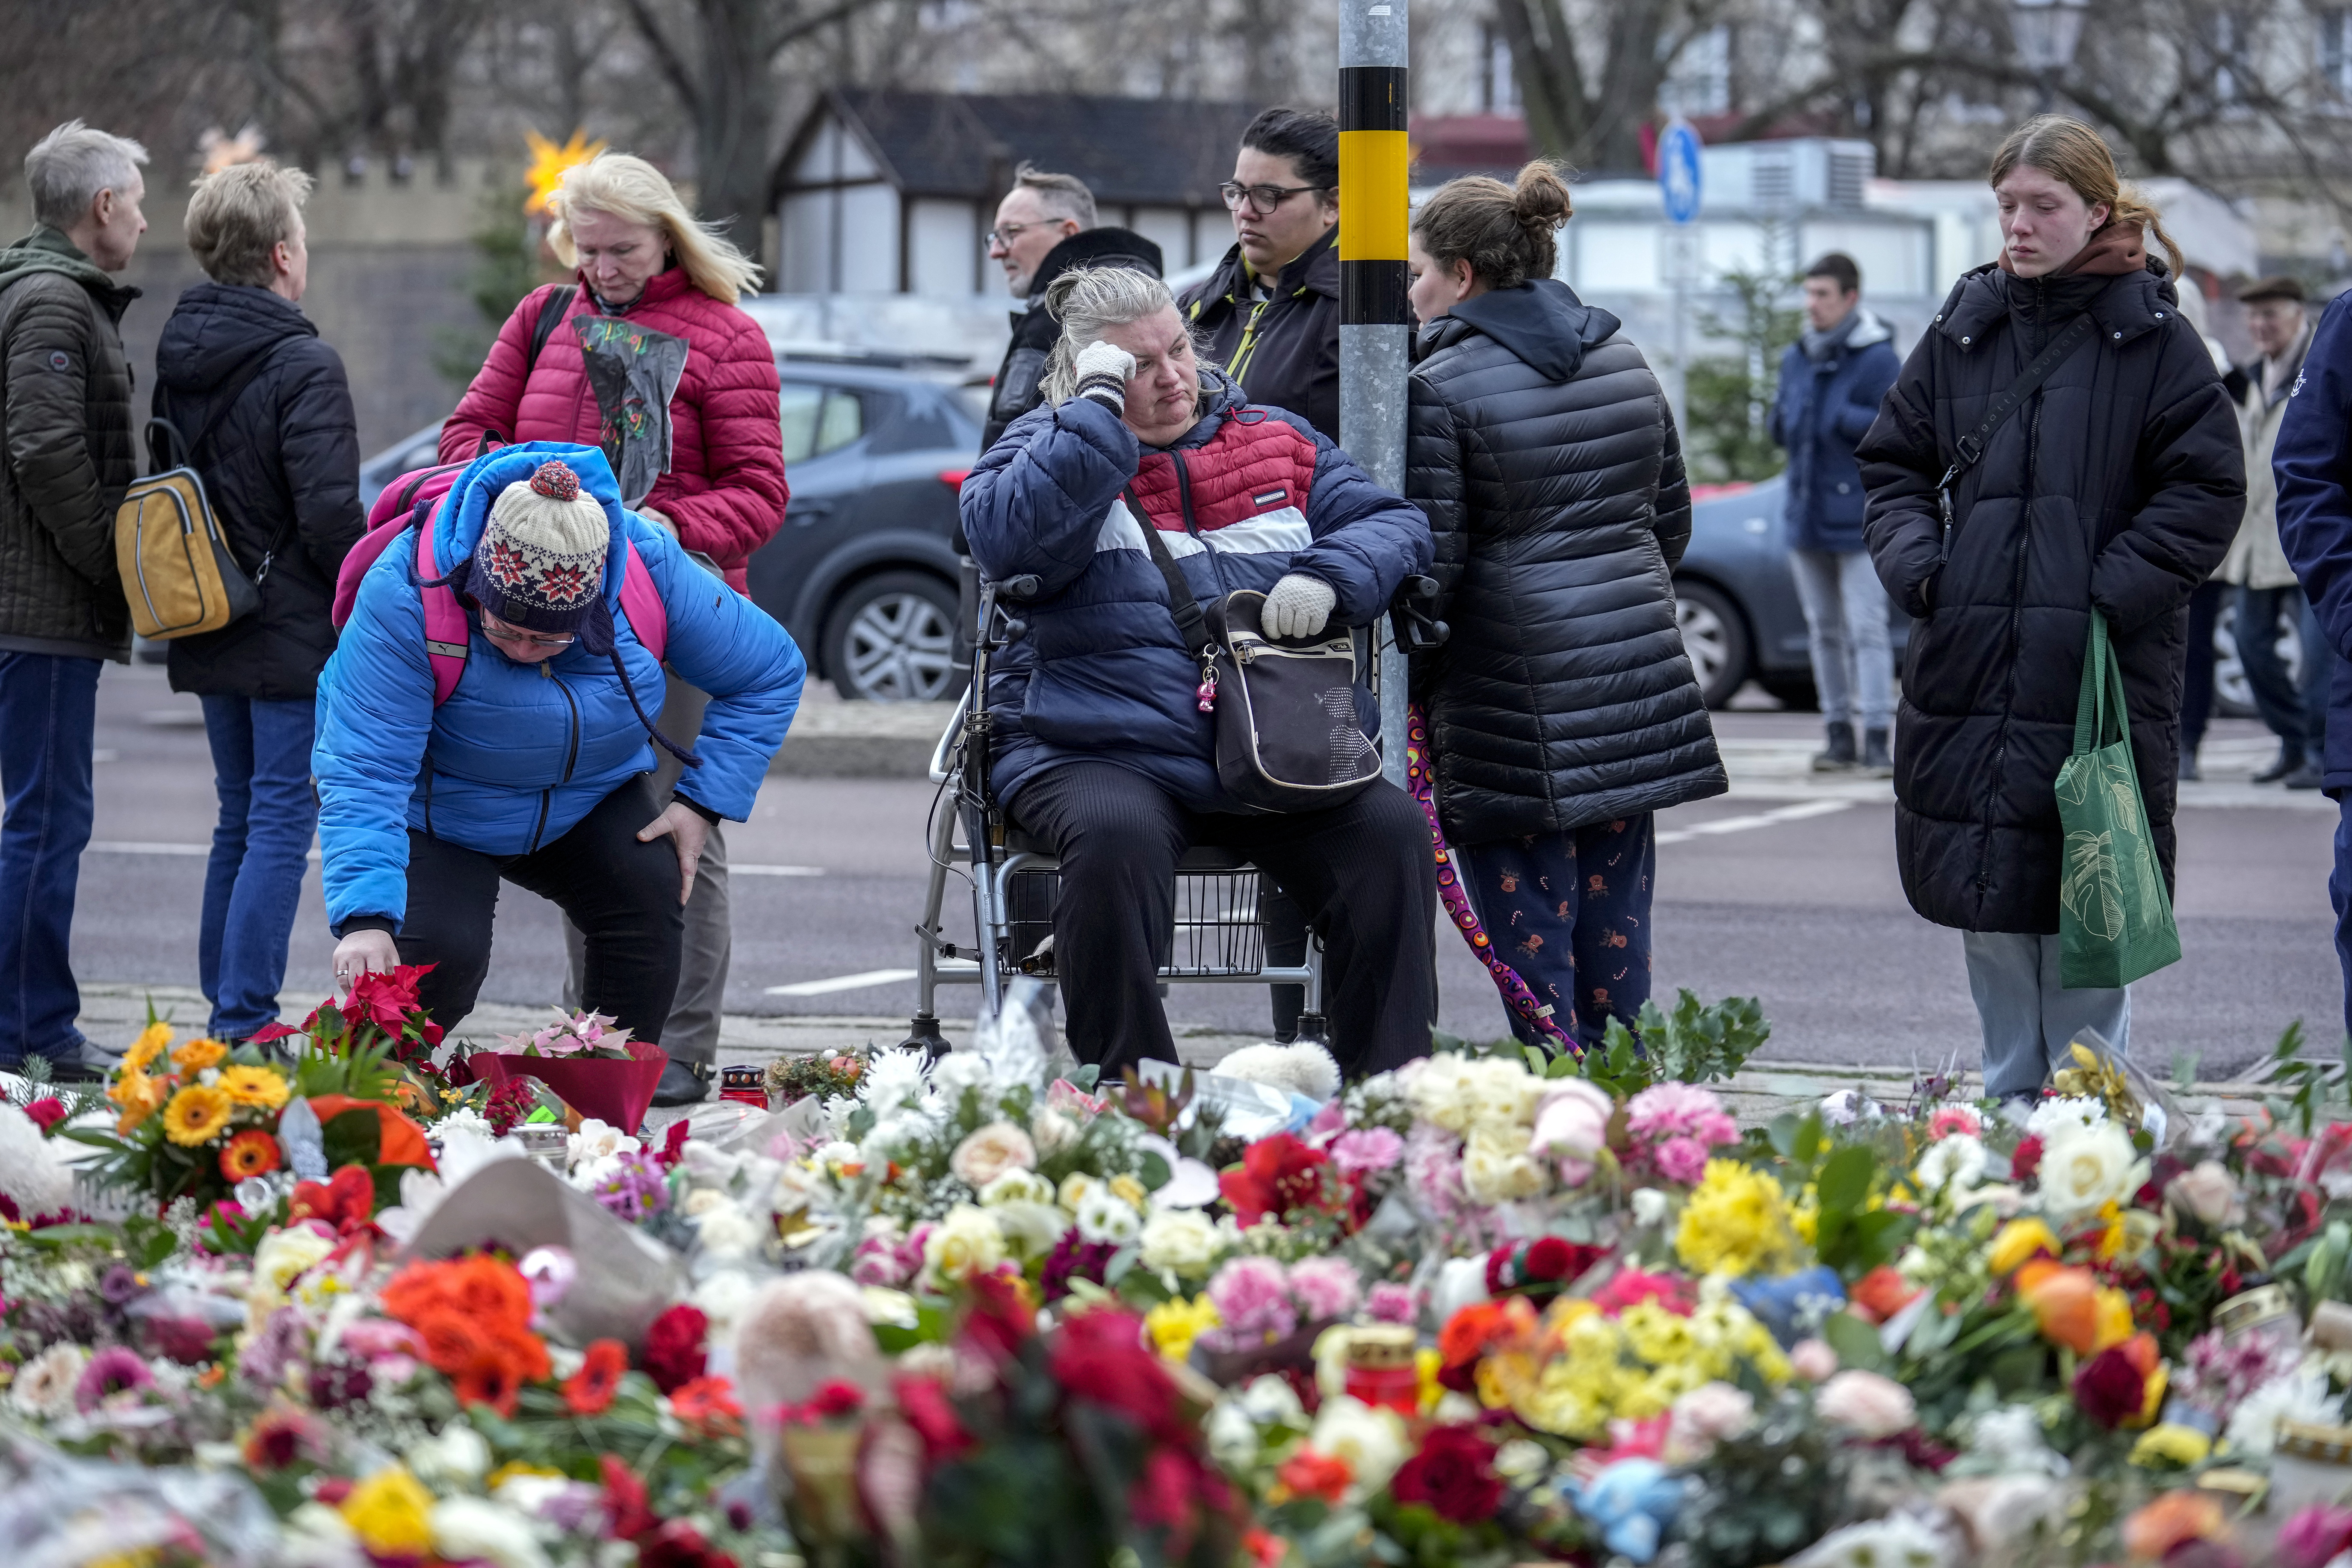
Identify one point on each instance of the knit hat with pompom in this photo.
(540, 562)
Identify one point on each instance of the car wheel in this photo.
(891, 639)
(1715, 638)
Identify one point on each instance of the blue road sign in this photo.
(1678, 171)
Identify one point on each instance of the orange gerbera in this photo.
(707, 1403)
(589, 1391)
(251, 1153)
(199, 1053)
(139, 1095)
(492, 1380)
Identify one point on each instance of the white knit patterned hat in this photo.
(540, 562)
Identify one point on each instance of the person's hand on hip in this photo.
(687, 831)
(360, 952)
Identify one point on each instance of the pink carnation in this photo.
(1685, 1109)
(1953, 1119)
(1366, 1149)
(1253, 1296)
(1325, 1287)
(1390, 1302)
(1680, 1160)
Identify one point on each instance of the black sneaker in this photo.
(2309, 775)
(86, 1062)
(1839, 755)
(2285, 763)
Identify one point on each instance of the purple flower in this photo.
(1390, 1302)
(265, 1361)
(339, 1383)
(1072, 1259)
(120, 1284)
(1253, 1296)
(637, 1189)
(1366, 1149)
(117, 1368)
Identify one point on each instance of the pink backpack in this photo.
(415, 500)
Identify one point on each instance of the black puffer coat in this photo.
(1035, 331)
(2118, 485)
(1284, 349)
(1545, 456)
(282, 470)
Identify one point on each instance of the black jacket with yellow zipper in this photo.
(1284, 348)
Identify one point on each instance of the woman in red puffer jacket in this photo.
(641, 257)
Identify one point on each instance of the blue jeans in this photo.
(2275, 697)
(2029, 1018)
(261, 770)
(2319, 662)
(48, 724)
(1571, 912)
(1845, 621)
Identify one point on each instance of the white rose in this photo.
(1104, 1215)
(2085, 1168)
(454, 1454)
(1503, 1093)
(1270, 1401)
(1181, 1241)
(1030, 1229)
(1053, 1131)
(1016, 1187)
(728, 1230)
(1496, 1166)
(472, 1529)
(1372, 1440)
(1442, 1093)
(964, 1243)
(990, 1152)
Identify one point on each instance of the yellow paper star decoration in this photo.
(549, 163)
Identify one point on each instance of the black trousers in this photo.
(1361, 872)
(622, 895)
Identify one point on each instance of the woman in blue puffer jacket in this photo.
(533, 769)
(1103, 751)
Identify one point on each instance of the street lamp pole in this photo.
(1375, 322)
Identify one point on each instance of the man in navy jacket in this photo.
(2313, 465)
(1832, 380)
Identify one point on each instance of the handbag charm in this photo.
(1205, 694)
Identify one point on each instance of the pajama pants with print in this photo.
(1571, 912)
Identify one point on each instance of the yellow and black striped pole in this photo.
(1375, 322)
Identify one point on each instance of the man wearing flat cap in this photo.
(2265, 590)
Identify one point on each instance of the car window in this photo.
(819, 420)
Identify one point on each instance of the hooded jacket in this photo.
(1035, 330)
(1245, 497)
(2312, 465)
(725, 489)
(281, 468)
(65, 419)
(1821, 409)
(1283, 350)
(1542, 450)
(2117, 485)
(520, 753)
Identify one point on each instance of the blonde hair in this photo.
(1087, 302)
(237, 216)
(634, 191)
(2072, 153)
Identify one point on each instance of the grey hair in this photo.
(67, 169)
(1087, 302)
(1060, 195)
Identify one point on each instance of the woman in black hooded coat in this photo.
(2116, 486)
(1562, 710)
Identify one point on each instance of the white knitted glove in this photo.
(1103, 370)
(1297, 608)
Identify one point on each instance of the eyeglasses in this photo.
(499, 631)
(1006, 234)
(1262, 199)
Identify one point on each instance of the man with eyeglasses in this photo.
(1271, 311)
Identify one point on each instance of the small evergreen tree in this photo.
(1728, 398)
(506, 268)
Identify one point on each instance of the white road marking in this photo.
(842, 982)
(1797, 813)
(776, 870)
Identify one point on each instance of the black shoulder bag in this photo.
(1970, 447)
(550, 316)
(1288, 738)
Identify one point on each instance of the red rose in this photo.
(1276, 1176)
(673, 1355)
(1099, 1356)
(46, 1112)
(2027, 1159)
(1454, 1474)
(2110, 1389)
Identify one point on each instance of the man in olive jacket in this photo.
(65, 419)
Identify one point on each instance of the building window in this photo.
(1700, 82)
(2335, 51)
(1498, 83)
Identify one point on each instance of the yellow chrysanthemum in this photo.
(1736, 1222)
(197, 1054)
(196, 1115)
(148, 1046)
(2172, 1445)
(390, 1512)
(253, 1086)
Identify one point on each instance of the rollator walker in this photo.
(1219, 937)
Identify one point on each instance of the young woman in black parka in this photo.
(1562, 710)
(2116, 486)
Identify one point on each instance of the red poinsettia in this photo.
(1277, 1176)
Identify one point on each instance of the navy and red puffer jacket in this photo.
(1101, 672)
(725, 489)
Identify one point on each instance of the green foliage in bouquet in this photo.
(1764, 1494)
(1695, 1043)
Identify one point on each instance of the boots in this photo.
(683, 1083)
(1878, 761)
(2289, 758)
(1839, 757)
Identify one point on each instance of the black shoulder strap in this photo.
(1191, 626)
(550, 316)
(1971, 447)
(233, 389)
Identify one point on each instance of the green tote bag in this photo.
(2115, 917)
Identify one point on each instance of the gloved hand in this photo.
(1104, 370)
(1297, 608)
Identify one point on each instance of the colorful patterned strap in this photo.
(1516, 994)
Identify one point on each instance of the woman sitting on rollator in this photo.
(1106, 749)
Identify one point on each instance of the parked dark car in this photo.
(861, 574)
(1737, 599)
